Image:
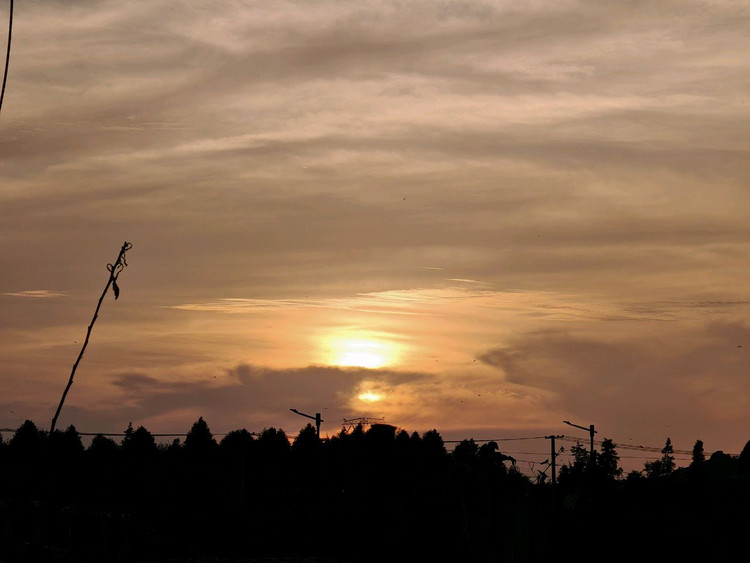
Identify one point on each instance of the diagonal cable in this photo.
(7, 54)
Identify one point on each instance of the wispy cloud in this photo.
(37, 293)
(445, 300)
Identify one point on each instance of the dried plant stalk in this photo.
(114, 272)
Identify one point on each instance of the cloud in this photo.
(247, 396)
(37, 294)
(642, 383)
(255, 397)
(418, 301)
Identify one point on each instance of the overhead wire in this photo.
(7, 55)
(679, 455)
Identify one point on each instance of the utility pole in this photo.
(316, 418)
(591, 432)
(553, 454)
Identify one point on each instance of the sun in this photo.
(358, 358)
(369, 397)
(360, 352)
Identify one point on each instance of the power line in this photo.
(176, 435)
(676, 458)
(637, 447)
(7, 54)
(679, 455)
(157, 435)
(485, 440)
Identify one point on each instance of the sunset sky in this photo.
(484, 217)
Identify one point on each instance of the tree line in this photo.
(375, 494)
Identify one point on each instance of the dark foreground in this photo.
(363, 497)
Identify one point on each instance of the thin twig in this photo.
(114, 272)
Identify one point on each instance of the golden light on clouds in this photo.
(346, 351)
(372, 394)
(369, 396)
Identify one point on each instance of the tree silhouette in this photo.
(199, 441)
(663, 466)
(101, 446)
(273, 443)
(722, 466)
(65, 443)
(608, 461)
(364, 496)
(401, 440)
(577, 468)
(465, 451)
(64, 451)
(696, 471)
(416, 439)
(698, 457)
(306, 443)
(580, 456)
(355, 436)
(26, 458)
(488, 450)
(27, 440)
(237, 442)
(744, 460)
(432, 443)
(139, 444)
(273, 449)
(668, 457)
(237, 452)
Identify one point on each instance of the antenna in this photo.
(350, 423)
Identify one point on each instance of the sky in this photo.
(483, 217)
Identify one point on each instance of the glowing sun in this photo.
(362, 353)
(369, 397)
